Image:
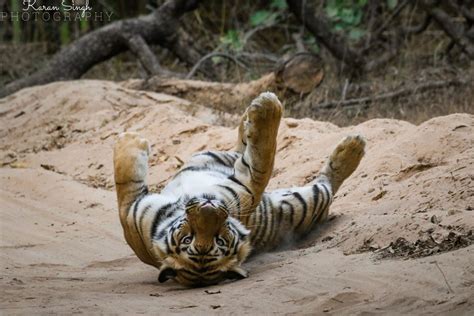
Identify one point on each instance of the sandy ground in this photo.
(399, 238)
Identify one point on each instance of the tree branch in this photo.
(320, 27)
(140, 48)
(451, 29)
(158, 27)
(391, 95)
(210, 55)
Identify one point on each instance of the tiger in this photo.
(215, 212)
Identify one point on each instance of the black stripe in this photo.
(233, 178)
(234, 249)
(216, 158)
(190, 272)
(234, 195)
(190, 278)
(166, 244)
(208, 196)
(157, 220)
(305, 208)
(315, 191)
(241, 233)
(328, 196)
(324, 204)
(276, 221)
(251, 168)
(135, 209)
(262, 225)
(142, 215)
(245, 162)
(232, 157)
(203, 261)
(193, 168)
(162, 233)
(203, 168)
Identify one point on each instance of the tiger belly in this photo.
(195, 183)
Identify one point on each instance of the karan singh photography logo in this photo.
(67, 10)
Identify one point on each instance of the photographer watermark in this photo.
(68, 10)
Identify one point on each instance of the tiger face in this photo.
(204, 245)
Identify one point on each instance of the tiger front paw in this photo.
(131, 158)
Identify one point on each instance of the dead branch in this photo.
(451, 29)
(140, 48)
(319, 26)
(158, 27)
(391, 95)
(210, 55)
(227, 97)
(465, 11)
(417, 29)
(184, 47)
(396, 12)
(298, 75)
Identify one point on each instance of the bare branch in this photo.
(158, 27)
(451, 29)
(210, 55)
(320, 27)
(391, 95)
(417, 29)
(140, 48)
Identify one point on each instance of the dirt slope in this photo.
(399, 239)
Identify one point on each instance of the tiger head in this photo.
(204, 245)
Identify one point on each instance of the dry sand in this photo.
(399, 239)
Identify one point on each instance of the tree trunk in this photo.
(159, 27)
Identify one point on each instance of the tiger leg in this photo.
(257, 143)
(130, 170)
(291, 213)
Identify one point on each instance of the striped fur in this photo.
(206, 221)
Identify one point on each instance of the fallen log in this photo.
(298, 75)
(159, 27)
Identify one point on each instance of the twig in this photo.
(450, 290)
(210, 55)
(319, 25)
(252, 56)
(298, 38)
(344, 90)
(388, 20)
(452, 30)
(252, 32)
(417, 29)
(391, 95)
(140, 48)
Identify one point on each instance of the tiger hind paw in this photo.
(344, 159)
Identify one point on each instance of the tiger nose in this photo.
(203, 249)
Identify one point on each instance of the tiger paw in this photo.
(346, 157)
(131, 158)
(263, 118)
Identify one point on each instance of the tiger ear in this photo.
(236, 273)
(166, 274)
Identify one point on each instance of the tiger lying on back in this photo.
(214, 211)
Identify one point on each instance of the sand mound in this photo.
(62, 246)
